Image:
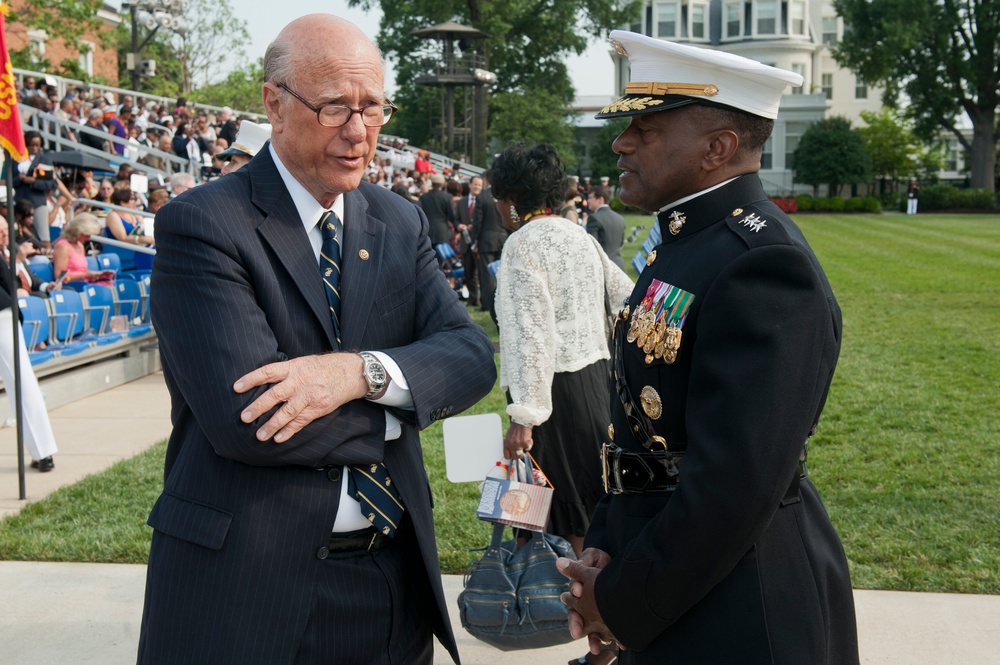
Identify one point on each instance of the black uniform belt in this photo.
(631, 472)
(628, 472)
(369, 540)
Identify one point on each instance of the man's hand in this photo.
(307, 388)
(584, 617)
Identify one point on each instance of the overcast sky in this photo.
(592, 72)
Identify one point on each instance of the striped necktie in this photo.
(329, 265)
(370, 484)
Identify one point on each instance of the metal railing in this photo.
(51, 126)
(63, 84)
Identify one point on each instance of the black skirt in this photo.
(567, 446)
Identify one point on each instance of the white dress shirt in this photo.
(398, 392)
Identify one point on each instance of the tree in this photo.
(943, 54)
(603, 160)
(831, 153)
(196, 58)
(240, 89)
(526, 49)
(66, 20)
(530, 119)
(892, 146)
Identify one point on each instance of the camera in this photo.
(210, 173)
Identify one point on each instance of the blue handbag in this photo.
(511, 596)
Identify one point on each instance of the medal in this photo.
(652, 406)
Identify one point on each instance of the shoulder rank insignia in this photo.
(657, 321)
(753, 222)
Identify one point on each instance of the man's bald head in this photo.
(308, 39)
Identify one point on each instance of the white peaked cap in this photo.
(666, 75)
(250, 139)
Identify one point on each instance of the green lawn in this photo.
(907, 456)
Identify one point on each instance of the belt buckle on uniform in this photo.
(604, 465)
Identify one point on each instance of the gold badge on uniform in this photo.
(651, 259)
(677, 220)
(651, 403)
(657, 322)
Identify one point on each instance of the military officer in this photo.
(713, 545)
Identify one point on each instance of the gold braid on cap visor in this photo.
(657, 88)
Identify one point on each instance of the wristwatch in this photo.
(375, 375)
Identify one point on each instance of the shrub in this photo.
(821, 204)
(871, 204)
(804, 201)
(835, 204)
(937, 197)
(787, 204)
(977, 199)
(853, 204)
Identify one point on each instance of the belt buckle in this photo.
(604, 466)
(612, 472)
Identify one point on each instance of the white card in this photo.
(472, 446)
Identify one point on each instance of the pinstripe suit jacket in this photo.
(235, 286)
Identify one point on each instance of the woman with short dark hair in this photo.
(554, 287)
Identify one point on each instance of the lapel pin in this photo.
(363, 254)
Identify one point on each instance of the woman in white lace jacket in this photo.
(554, 290)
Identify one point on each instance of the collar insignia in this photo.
(677, 220)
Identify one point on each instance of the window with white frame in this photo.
(828, 85)
(793, 133)
(951, 155)
(734, 20)
(36, 42)
(767, 156)
(800, 69)
(767, 17)
(699, 20)
(666, 19)
(87, 57)
(860, 89)
(829, 30)
(797, 17)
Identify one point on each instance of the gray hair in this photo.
(182, 179)
(279, 61)
(82, 224)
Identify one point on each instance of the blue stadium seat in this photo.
(108, 261)
(34, 320)
(42, 270)
(132, 302)
(638, 262)
(494, 268)
(92, 263)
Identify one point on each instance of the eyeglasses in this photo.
(338, 115)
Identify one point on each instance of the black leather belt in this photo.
(367, 540)
(627, 472)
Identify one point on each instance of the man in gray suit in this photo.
(306, 334)
(605, 224)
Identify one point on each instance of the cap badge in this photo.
(637, 104)
(753, 222)
(737, 212)
(619, 49)
(677, 220)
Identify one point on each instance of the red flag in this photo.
(11, 136)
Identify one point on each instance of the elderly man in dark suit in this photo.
(713, 545)
(306, 334)
(605, 224)
(465, 208)
(440, 210)
(488, 236)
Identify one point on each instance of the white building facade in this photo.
(791, 34)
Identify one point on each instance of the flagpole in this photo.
(15, 321)
(12, 141)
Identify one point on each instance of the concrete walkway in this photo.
(89, 614)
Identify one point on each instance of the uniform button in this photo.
(334, 474)
(322, 553)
